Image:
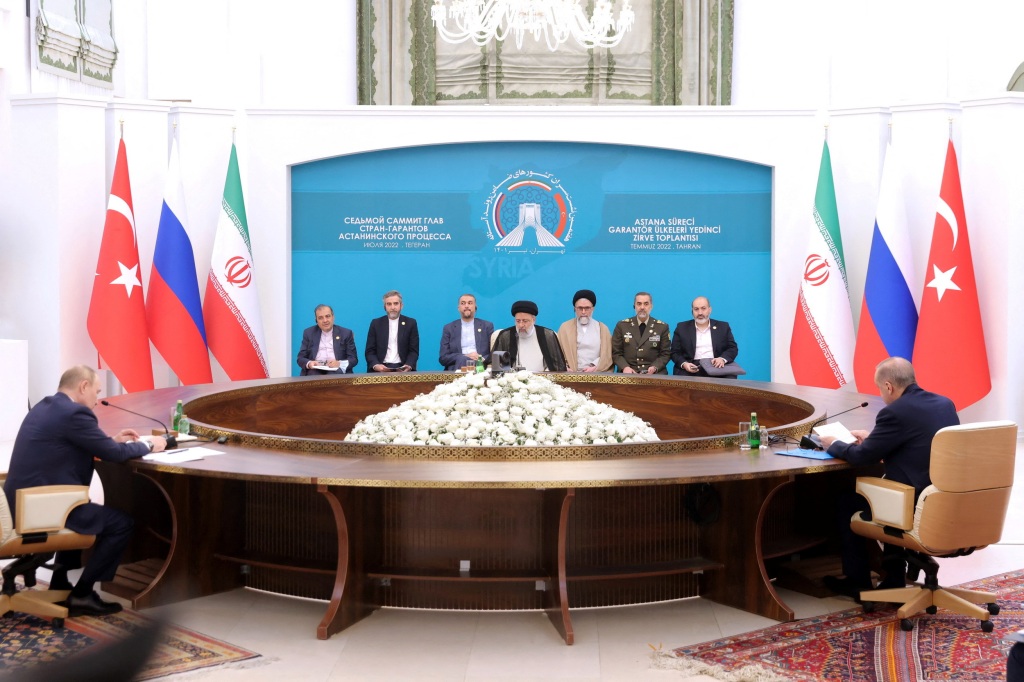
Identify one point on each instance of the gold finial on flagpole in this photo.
(233, 129)
(951, 127)
(826, 132)
(890, 130)
(121, 121)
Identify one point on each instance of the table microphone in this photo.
(172, 442)
(813, 442)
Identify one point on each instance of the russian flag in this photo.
(888, 315)
(173, 308)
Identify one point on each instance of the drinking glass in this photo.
(744, 432)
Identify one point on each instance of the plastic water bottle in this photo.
(178, 411)
(479, 364)
(184, 425)
(754, 435)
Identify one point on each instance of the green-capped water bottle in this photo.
(178, 411)
(754, 435)
(479, 364)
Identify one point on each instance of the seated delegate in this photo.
(325, 344)
(702, 338)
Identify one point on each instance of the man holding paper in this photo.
(326, 347)
(902, 440)
(56, 445)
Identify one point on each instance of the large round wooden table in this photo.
(290, 508)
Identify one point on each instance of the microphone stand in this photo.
(812, 441)
(172, 442)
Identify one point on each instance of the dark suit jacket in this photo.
(451, 356)
(344, 348)
(377, 342)
(902, 437)
(684, 343)
(56, 445)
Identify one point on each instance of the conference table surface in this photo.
(248, 461)
(564, 509)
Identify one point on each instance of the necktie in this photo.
(643, 328)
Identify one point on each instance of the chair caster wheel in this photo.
(987, 626)
(931, 610)
(58, 623)
(993, 608)
(906, 624)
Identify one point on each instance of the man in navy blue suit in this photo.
(56, 445)
(702, 337)
(902, 439)
(393, 342)
(326, 345)
(465, 339)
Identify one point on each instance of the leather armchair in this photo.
(963, 510)
(39, 532)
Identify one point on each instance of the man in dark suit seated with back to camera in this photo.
(902, 439)
(702, 338)
(56, 445)
(325, 344)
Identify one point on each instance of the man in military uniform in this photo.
(641, 344)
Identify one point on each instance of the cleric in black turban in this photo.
(529, 345)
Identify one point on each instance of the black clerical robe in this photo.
(550, 348)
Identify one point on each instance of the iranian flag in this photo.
(821, 350)
(231, 308)
(949, 351)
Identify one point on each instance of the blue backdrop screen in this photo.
(533, 220)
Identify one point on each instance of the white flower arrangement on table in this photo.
(519, 408)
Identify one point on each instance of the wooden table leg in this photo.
(556, 599)
(735, 539)
(350, 600)
(173, 554)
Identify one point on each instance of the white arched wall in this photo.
(62, 191)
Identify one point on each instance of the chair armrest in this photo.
(45, 508)
(892, 503)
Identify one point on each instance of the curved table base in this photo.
(616, 546)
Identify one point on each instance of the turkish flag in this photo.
(117, 310)
(949, 351)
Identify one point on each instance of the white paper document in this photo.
(837, 431)
(181, 456)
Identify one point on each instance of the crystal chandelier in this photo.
(557, 20)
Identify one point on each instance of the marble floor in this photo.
(612, 644)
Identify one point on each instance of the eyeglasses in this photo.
(584, 308)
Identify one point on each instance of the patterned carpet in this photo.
(27, 641)
(868, 647)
